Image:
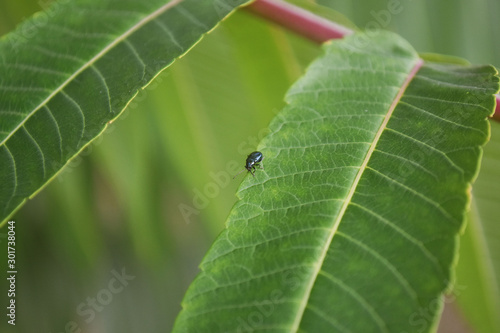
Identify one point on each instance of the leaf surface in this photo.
(66, 74)
(353, 224)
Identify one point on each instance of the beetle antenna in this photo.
(238, 173)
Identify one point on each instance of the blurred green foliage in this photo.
(118, 204)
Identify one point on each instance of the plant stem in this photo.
(309, 25)
(496, 115)
(301, 21)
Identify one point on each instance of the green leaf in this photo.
(353, 224)
(66, 74)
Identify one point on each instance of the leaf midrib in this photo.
(98, 56)
(319, 263)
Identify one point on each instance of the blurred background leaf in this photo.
(117, 205)
(478, 271)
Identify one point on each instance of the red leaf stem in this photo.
(301, 21)
(496, 115)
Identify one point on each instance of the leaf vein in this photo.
(245, 280)
(15, 178)
(103, 80)
(268, 240)
(451, 85)
(409, 161)
(328, 318)
(79, 109)
(385, 262)
(58, 131)
(190, 17)
(442, 153)
(129, 44)
(234, 306)
(57, 55)
(433, 99)
(42, 155)
(359, 299)
(442, 119)
(418, 194)
(406, 235)
(169, 34)
(77, 34)
(36, 69)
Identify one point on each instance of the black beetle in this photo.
(252, 161)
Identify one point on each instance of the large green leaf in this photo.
(66, 74)
(353, 224)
